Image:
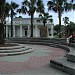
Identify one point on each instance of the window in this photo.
(49, 31)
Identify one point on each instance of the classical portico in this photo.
(22, 28)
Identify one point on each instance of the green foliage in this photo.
(70, 28)
(66, 20)
(44, 17)
(56, 28)
(8, 8)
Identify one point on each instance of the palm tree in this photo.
(59, 6)
(66, 20)
(2, 19)
(13, 6)
(44, 17)
(10, 7)
(7, 9)
(30, 7)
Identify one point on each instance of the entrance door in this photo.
(25, 32)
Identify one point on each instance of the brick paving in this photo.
(34, 63)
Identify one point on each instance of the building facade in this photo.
(22, 28)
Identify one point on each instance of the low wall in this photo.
(32, 40)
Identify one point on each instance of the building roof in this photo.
(21, 19)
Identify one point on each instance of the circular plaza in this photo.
(34, 63)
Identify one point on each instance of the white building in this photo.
(22, 28)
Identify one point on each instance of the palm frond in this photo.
(73, 6)
(19, 10)
(14, 5)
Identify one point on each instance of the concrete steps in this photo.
(66, 64)
(71, 56)
(33, 40)
(15, 50)
(16, 53)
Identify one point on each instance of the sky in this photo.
(70, 14)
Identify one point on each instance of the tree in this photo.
(56, 27)
(66, 20)
(70, 28)
(13, 6)
(7, 9)
(30, 7)
(2, 19)
(10, 7)
(44, 17)
(59, 6)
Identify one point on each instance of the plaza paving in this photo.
(35, 63)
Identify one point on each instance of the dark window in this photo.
(25, 32)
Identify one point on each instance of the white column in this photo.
(6, 31)
(36, 31)
(20, 30)
(28, 31)
(13, 31)
(52, 31)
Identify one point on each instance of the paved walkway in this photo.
(35, 63)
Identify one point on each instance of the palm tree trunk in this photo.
(32, 15)
(11, 22)
(59, 16)
(1, 33)
(44, 24)
(2, 8)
